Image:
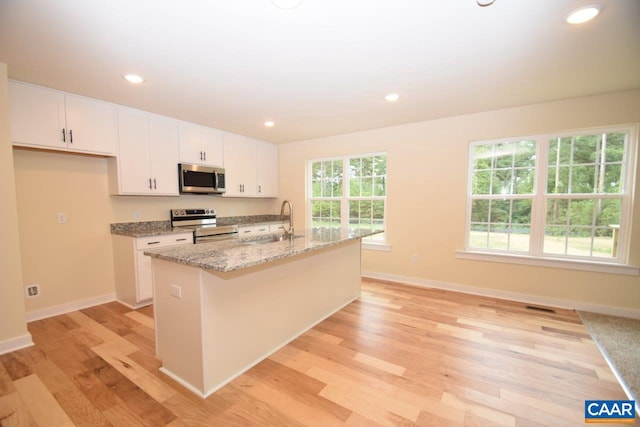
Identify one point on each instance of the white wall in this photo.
(427, 178)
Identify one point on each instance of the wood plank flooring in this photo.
(398, 356)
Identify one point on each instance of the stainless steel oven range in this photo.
(203, 223)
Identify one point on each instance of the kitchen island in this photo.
(222, 307)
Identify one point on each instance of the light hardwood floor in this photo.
(398, 356)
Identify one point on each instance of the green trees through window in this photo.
(349, 191)
(581, 194)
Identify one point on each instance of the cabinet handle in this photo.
(155, 187)
(181, 240)
(150, 187)
(152, 243)
(64, 135)
(260, 189)
(201, 155)
(246, 231)
(70, 136)
(205, 156)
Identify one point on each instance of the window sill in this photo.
(370, 246)
(600, 267)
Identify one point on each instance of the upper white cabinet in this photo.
(147, 161)
(267, 169)
(240, 166)
(47, 118)
(200, 145)
(251, 167)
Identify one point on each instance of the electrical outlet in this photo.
(176, 291)
(62, 218)
(414, 258)
(137, 215)
(32, 291)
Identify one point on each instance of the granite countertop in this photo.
(159, 228)
(237, 254)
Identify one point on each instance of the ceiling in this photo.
(324, 67)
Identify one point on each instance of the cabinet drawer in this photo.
(162, 241)
(253, 230)
(276, 227)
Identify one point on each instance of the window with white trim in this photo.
(563, 196)
(349, 191)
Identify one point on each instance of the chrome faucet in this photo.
(287, 232)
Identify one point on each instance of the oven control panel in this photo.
(190, 213)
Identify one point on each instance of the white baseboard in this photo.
(69, 307)
(17, 343)
(508, 295)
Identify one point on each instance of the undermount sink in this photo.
(269, 239)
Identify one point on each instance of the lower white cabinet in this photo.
(134, 283)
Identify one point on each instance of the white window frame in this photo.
(367, 242)
(535, 255)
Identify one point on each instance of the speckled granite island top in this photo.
(237, 254)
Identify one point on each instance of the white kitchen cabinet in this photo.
(47, 118)
(134, 281)
(147, 161)
(266, 169)
(251, 167)
(200, 145)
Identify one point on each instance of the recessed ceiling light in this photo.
(133, 78)
(484, 3)
(583, 14)
(286, 4)
(392, 97)
(269, 124)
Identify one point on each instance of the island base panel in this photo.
(224, 323)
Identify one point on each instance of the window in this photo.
(349, 190)
(560, 196)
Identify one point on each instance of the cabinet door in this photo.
(144, 288)
(239, 165)
(163, 145)
(211, 145)
(267, 169)
(190, 151)
(134, 170)
(92, 125)
(37, 116)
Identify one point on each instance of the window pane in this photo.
(612, 180)
(379, 186)
(316, 188)
(367, 166)
(498, 236)
(581, 212)
(355, 185)
(582, 178)
(478, 236)
(524, 181)
(558, 180)
(560, 151)
(608, 212)
(480, 211)
(525, 154)
(367, 187)
(502, 181)
(614, 150)
(557, 211)
(500, 211)
(355, 167)
(520, 237)
(378, 210)
(579, 241)
(481, 182)
(585, 149)
(521, 212)
(504, 155)
(555, 240)
(380, 165)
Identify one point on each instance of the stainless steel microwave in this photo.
(197, 179)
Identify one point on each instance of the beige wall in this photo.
(427, 164)
(73, 262)
(12, 309)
